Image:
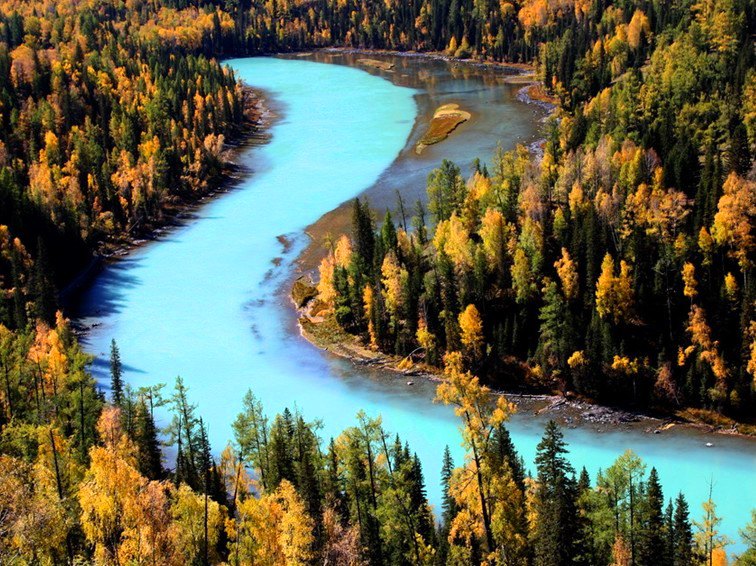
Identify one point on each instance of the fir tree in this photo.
(116, 374)
(682, 534)
(651, 550)
(555, 535)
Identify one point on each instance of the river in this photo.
(206, 301)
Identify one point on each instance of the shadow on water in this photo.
(104, 296)
(101, 366)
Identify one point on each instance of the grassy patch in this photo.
(537, 92)
(326, 333)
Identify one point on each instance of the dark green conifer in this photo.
(651, 548)
(116, 374)
(150, 456)
(555, 533)
(682, 534)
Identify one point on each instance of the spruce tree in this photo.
(651, 549)
(43, 290)
(448, 504)
(116, 374)
(682, 534)
(307, 465)
(364, 233)
(388, 234)
(555, 533)
(333, 485)
(150, 457)
(281, 461)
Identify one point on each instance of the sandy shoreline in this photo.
(509, 68)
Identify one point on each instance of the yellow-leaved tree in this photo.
(471, 330)
(614, 292)
(274, 529)
(486, 496)
(125, 517)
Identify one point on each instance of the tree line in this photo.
(84, 479)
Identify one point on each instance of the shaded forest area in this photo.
(620, 264)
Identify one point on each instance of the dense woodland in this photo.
(619, 264)
(627, 249)
(83, 480)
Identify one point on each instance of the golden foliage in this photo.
(700, 334)
(326, 290)
(471, 327)
(568, 275)
(614, 293)
(393, 275)
(274, 529)
(689, 280)
(124, 516)
(637, 28)
(733, 222)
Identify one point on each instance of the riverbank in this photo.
(490, 97)
(336, 221)
(532, 91)
(510, 68)
(258, 118)
(320, 329)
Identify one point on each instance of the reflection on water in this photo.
(206, 302)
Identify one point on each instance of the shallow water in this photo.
(205, 301)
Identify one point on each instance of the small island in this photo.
(376, 64)
(445, 120)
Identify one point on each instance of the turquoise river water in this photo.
(205, 301)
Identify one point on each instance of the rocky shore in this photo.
(320, 329)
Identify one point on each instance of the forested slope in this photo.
(628, 251)
(620, 264)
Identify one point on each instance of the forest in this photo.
(617, 266)
(84, 480)
(627, 248)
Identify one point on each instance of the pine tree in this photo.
(555, 507)
(116, 374)
(651, 549)
(150, 457)
(682, 534)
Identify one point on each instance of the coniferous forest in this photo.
(616, 265)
